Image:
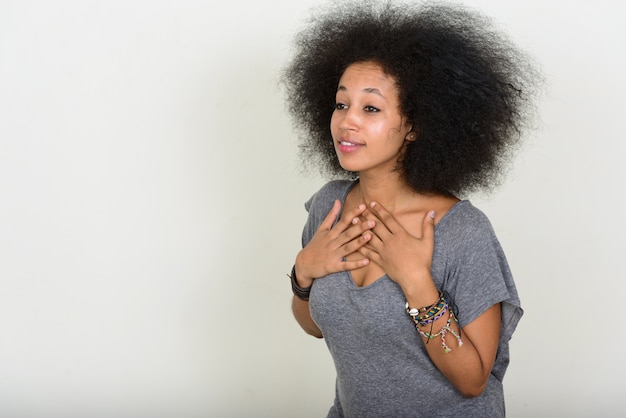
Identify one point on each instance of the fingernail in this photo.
(432, 214)
(355, 221)
(372, 204)
(361, 206)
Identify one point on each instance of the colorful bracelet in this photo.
(429, 314)
(434, 313)
(301, 293)
(425, 320)
(418, 311)
(429, 335)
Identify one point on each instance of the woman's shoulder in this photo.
(328, 193)
(465, 218)
(321, 203)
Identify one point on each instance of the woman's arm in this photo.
(300, 309)
(468, 366)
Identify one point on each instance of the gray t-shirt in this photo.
(383, 369)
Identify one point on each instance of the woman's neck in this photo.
(397, 196)
(393, 194)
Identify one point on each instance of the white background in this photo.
(151, 204)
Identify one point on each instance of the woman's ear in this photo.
(411, 135)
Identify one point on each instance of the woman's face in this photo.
(368, 129)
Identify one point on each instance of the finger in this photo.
(379, 230)
(386, 219)
(355, 264)
(331, 217)
(347, 241)
(373, 240)
(368, 215)
(368, 252)
(428, 227)
(359, 228)
(350, 218)
(356, 243)
(353, 216)
(385, 216)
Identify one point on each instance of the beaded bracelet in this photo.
(431, 316)
(428, 314)
(443, 332)
(423, 321)
(417, 311)
(301, 293)
(434, 313)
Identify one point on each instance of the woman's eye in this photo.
(371, 109)
(340, 106)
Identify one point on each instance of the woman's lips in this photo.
(348, 146)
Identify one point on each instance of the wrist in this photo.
(302, 279)
(421, 290)
(300, 292)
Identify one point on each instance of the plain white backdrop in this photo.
(151, 204)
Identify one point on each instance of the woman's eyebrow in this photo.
(372, 90)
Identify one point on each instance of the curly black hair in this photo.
(463, 86)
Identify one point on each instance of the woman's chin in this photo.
(349, 168)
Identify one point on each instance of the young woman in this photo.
(414, 106)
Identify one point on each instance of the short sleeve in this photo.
(475, 269)
(320, 204)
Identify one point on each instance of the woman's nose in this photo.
(349, 119)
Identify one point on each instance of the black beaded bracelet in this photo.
(300, 292)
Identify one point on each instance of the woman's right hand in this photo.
(325, 253)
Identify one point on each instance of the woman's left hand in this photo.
(405, 258)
